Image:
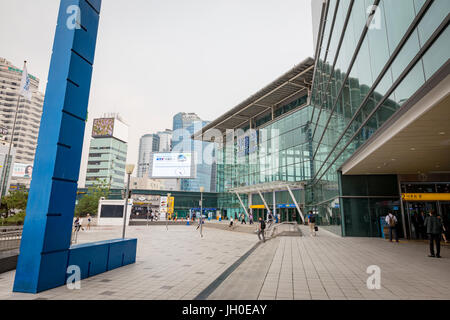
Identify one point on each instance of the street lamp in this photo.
(202, 189)
(129, 168)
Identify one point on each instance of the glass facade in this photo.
(372, 58)
(358, 88)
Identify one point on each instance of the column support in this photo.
(264, 201)
(296, 204)
(274, 203)
(242, 203)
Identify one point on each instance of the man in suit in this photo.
(434, 230)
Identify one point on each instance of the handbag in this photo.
(316, 228)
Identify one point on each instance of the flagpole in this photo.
(6, 165)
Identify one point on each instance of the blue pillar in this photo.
(45, 247)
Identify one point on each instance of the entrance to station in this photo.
(289, 215)
(418, 211)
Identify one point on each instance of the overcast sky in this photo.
(156, 58)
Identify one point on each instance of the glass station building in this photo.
(362, 129)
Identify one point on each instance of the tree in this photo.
(15, 201)
(89, 203)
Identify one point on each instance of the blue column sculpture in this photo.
(45, 251)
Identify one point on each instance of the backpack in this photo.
(391, 221)
(312, 218)
(263, 225)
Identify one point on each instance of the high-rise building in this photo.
(107, 152)
(185, 124)
(28, 118)
(148, 145)
(165, 140)
(182, 121)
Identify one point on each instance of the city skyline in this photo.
(144, 82)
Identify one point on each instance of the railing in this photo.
(10, 238)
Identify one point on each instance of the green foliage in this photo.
(15, 201)
(89, 202)
(15, 220)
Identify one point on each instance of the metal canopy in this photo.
(268, 187)
(291, 85)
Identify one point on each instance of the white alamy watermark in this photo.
(74, 279)
(374, 280)
(374, 19)
(74, 20)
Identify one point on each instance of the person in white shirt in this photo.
(391, 221)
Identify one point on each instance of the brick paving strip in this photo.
(328, 267)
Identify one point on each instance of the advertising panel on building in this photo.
(173, 165)
(22, 170)
(103, 128)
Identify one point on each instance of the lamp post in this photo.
(202, 189)
(129, 168)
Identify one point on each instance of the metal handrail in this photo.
(10, 240)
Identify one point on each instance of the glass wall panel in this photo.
(438, 54)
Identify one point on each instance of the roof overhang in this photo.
(293, 84)
(268, 187)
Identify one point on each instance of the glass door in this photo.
(417, 212)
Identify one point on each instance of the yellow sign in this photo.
(426, 196)
(170, 205)
(258, 206)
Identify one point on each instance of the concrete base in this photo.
(8, 260)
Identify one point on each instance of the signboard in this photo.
(258, 206)
(163, 205)
(174, 165)
(170, 205)
(247, 144)
(22, 170)
(426, 196)
(283, 206)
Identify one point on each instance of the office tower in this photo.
(108, 152)
(148, 144)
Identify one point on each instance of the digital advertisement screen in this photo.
(103, 128)
(172, 165)
(112, 211)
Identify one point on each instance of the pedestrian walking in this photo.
(312, 223)
(89, 219)
(261, 229)
(433, 226)
(250, 219)
(76, 224)
(231, 222)
(243, 219)
(270, 219)
(392, 221)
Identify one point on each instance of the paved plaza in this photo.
(177, 264)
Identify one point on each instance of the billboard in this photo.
(103, 128)
(110, 127)
(174, 165)
(22, 170)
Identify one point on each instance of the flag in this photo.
(25, 89)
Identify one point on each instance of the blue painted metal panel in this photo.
(122, 253)
(92, 258)
(46, 236)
